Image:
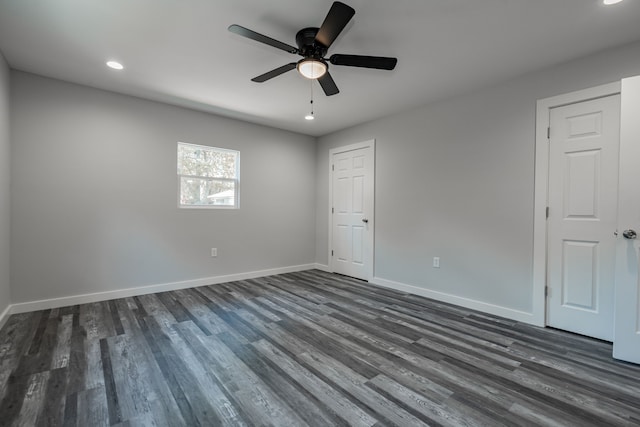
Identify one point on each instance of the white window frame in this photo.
(236, 181)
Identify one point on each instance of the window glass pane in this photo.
(206, 162)
(206, 192)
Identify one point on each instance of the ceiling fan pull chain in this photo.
(311, 116)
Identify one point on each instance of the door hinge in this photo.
(331, 210)
(546, 291)
(333, 167)
(549, 133)
(331, 253)
(547, 212)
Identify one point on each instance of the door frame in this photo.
(372, 190)
(541, 188)
(626, 333)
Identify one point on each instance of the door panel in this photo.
(583, 197)
(358, 194)
(342, 195)
(585, 125)
(352, 217)
(342, 243)
(358, 246)
(579, 289)
(581, 192)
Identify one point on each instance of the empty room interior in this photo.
(319, 213)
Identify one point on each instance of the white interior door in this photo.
(626, 344)
(352, 211)
(583, 200)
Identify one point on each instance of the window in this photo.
(208, 177)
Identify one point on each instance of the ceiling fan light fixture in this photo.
(312, 68)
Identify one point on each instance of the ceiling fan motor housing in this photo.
(307, 46)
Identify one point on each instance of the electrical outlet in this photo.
(214, 252)
(436, 262)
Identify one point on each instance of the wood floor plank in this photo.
(92, 408)
(434, 413)
(52, 406)
(312, 410)
(60, 358)
(127, 386)
(192, 408)
(303, 349)
(353, 386)
(113, 403)
(257, 401)
(196, 355)
(77, 356)
(142, 378)
(70, 417)
(34, 398)
(115, 318)
(314, 385)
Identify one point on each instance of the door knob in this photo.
(629, 234)
(365, 220)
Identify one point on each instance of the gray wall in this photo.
(5, 291)
(94, 195)
(456, 180)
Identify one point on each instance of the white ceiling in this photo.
(180, 52)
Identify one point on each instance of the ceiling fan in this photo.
(313, 44)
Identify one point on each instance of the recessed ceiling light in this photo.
(115, 65)
(610, 2)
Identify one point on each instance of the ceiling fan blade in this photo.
(328, 85)
(378, 62)
(274, 73)
(250, 34)
(338, 17)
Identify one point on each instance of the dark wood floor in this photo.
(302, 349)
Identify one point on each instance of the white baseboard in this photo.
(520, 316)
(322, 267)
(25, 307)
(143, 290)
(4, 316)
